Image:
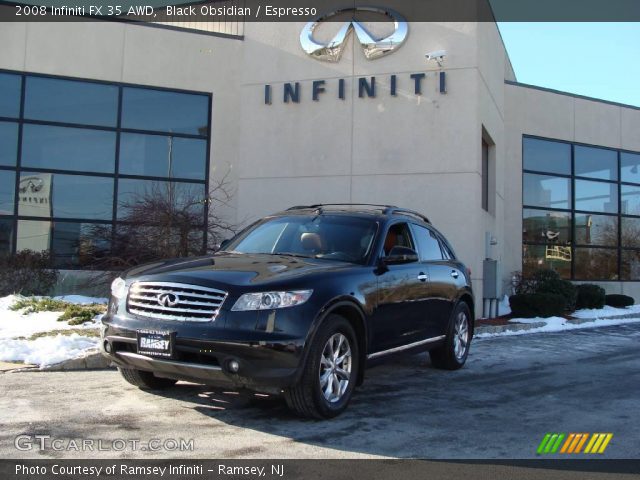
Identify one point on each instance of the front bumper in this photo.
(267, 362)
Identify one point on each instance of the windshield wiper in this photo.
(289, 254)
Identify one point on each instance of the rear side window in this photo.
(428, 244)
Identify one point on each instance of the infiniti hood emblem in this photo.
(373, 48)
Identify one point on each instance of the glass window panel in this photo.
(149, 201)
(71, 101)
(546, 156)
(630, 167)
(65, 148)
(546, 191)
(555, 257)
(7, 192)
(596, 230)
(630, 232)
(596, 264)
(160, 156)
(66, 196)
(630, 204)
(34, 235)
(596, 196)
(136, 244)
(428, 244)
(630, 265)
(72, 244)
(544, 226)
(147, 109)
(8, 143)
(6, 235)
(10, 86)
(596, 163)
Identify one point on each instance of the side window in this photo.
(446, 251)
(398, 235)
(428, 244)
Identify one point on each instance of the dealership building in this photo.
(94, 113)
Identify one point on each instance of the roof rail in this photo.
(406, 211)
(319, 205)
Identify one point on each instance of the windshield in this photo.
(332, 237)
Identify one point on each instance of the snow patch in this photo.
(557, 324)
(45, 351)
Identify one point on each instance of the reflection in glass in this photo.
(546, 191)
(596, 163)
(65, 148)
(630, 232)
(65, 196)
(10, 86)
(71, 244)
(542, 226)
(8, 143)
(7, 192)
(555, 257)
(135, 244)
(6, 235)
(596, 264)
(596, 196)
(160, 156)
(71, 101)
(147, 109)
(630, 265)
(140, 200)
(630, 167)
(546, 156)
(596, 230)
(630, 201)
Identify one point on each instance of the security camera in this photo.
(437, 56)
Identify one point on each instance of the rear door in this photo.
(444, 277)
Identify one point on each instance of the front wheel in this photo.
(330, 374)
(145, 380)
(452, 355)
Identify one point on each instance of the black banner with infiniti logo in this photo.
(166, 11)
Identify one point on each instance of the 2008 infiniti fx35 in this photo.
(298, 303)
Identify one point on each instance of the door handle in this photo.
(423, 277)
(455, 274)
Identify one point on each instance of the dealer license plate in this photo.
(152, 342)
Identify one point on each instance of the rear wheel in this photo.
(452, 355)
(330, 374)
(145, 380)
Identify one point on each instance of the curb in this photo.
(515, 327)
(91, 360)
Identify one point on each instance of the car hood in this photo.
(239, 269)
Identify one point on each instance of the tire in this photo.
(146, 380)
(307, 398)
(449, 356)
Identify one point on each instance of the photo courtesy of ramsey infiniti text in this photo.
(298, 303)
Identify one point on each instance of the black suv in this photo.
(298, 303)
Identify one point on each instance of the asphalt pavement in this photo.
(512, 391)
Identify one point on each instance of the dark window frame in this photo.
(573, 212)
(115, 175)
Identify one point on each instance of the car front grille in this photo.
(175, 301)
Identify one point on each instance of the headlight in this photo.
(118, 288)
(271, 300)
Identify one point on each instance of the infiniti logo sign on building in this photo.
(373, 48)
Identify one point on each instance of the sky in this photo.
(599, 60)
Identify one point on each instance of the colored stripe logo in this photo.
(573, 443)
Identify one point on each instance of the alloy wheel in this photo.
(461, 336)
(335, 367)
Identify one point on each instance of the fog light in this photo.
(234, 366)
(107, 346)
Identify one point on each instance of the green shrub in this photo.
(72, 313)
(619, 301)
(589, 296)
(549, 281)
(27, 273)
(528, 305)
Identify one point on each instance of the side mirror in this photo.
(399, 255)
